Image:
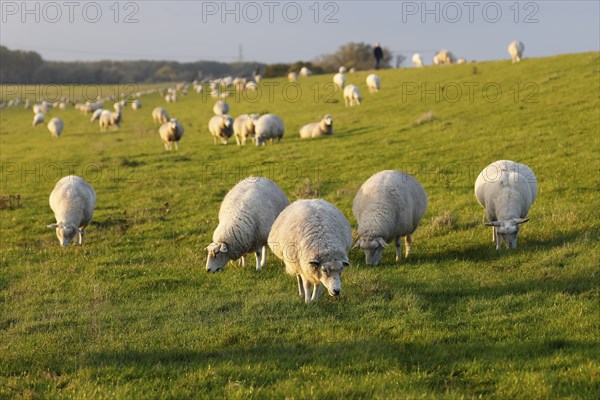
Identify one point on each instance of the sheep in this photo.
(443, 57)
(221, 126)
(461, 60)
(73, 201)
(55, 126)
(516, 49)
(339, 80)
(292, 76)
(245, 219)
(108, 119)
(38, 118)
(352, 96)
(171, 132)
(160, 115)
(417, 60)
(318, 129)
(118, 106)
(258, 78)
(268, 126)
(342, 70)
(244, 126)
(373, 83)
(136, 105)
(304, 71)
(387, 207)
(312, 238)
(251, 86)
(506, 190)
(96, 115)
(221, 108)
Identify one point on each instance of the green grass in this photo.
(132, 314)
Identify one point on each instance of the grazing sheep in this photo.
(292, 77)
(388, 206)
(516, 49)
(37, 109)
(373, 83)
(417, 60)
(461, 61)
(55, 126)
(109, 119)
(318, 129)
(171, 97)
(268, 127)
(73, 201)
(313, 238)
(96, 115)
(342, 70)
(38, 118)
(305, 72)
(506, 190)
(136, 105)
(221, 126)
(160, 115)
(251, 86)
(352, 96)
(443, 57)
(171, 132)
(258, 78)
(339, 80)
(243, 127)
(118, 106)
(221, 108)
(245, 219)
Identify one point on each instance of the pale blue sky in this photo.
(194, 30)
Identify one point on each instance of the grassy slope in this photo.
(133, 314)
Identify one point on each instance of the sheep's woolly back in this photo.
(218, 127)
(73, 201)
(310, 230)
(389, 204)
(506, 190)
(269, 126)
(373, 82)
(318, 129)
(247, 214)
(55, 126)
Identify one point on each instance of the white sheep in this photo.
(73, 201)
(136, 105)
(318, 129)
(268, 127)
(221, 108)
(312, 238)
(109, 119)
(506, 190)
(37, 109)
(388, 206)
(443, 57)
(160, 115)
(38, 118)
(342, 70)
(516, 49)
(244, 126)
(258, 78)
(245, 219)
(339, 80)
(292, 76)
(373, 83)
(55, 126)
(417, 60)
(304, 71)
(118, 106)
(352, 96)
(96, 115)
(171, 132)
(461, 60)
(221, 126)
(251, 86)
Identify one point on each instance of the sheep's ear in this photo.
(382, 242)
(495, 223)
(53, 226)
(223, 248)
(315, 264)
(346, 263)
(519, 221)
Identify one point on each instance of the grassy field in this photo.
(132, 314)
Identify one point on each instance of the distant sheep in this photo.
(118, 106)
(443, 57)
(292, 77)
(171, 132)
(373, 83)
(96, 115)
(160, 115)
(342, 70)
(312, 238)
(339, 80)
(109, 119)
(304, 71)
(516, 49)
(352, 96)
(318, 129)
(245, 219)
(73, 201)
(506, 190)
(388, 206)
(136, 105)
(221, 126)
(244, 127)
(269, 127)
(55, 126)
(221, 108)
(417, 60)
(461, 61)
(38, 118)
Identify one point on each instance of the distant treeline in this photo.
(28, 67)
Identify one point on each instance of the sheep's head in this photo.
(373, 248)
(217, 257)
(508, 231)
(65, 232)
(172, 124)
(329, 274)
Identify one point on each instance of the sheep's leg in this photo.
(242, 261)
(398, 249)
(176, 146)
(237, 140)
(498, 240)
(316, 292)
(306, 285)
(214, 140)
(258, 255)
(408, 245)
(300, 286)
(493, 234)
(81, 236)
(263, 260)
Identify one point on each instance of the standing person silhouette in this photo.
(378, 53)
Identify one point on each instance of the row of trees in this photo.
(28, 67)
